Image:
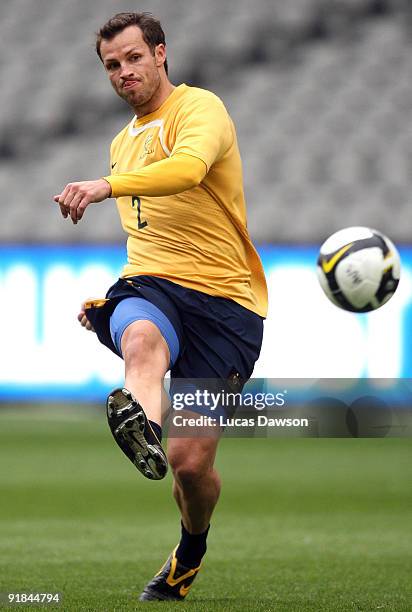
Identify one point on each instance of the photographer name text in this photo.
(222, 421)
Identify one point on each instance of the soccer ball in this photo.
(358, 269)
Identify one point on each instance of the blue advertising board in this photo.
(46, 355)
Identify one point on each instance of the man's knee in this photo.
(143, 346)
(190, 465)
(188, 473)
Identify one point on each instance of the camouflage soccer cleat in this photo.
(172, 582)
(133, 433)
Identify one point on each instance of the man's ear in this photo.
(160, 55)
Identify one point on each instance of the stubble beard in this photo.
(140, 100)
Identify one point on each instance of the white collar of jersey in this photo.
(135, 131)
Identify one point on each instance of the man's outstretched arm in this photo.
(75, 197)
(166, 177)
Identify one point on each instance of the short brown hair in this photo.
(152, 31)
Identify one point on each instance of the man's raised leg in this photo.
(146, 361)
(134, 412)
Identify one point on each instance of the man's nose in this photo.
(126, 70)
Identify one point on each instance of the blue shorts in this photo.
(209, 337)
(137, 309)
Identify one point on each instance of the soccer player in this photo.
(192, 297)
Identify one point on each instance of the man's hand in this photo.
(75, 197)
(84, 321)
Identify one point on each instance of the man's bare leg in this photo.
(146, 359)
(196, 488)
(196, 485)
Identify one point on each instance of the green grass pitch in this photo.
(302, 524)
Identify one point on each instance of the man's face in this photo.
(132, 68)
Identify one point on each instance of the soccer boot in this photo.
(132, 431)
(172, 582)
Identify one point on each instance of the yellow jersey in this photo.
(197, 237)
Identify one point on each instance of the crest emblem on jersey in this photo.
(148, 148)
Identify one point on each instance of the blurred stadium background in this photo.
(321, 94)
(320, 90)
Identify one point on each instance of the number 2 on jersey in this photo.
(136, 205)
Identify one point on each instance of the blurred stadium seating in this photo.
(320, 90)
